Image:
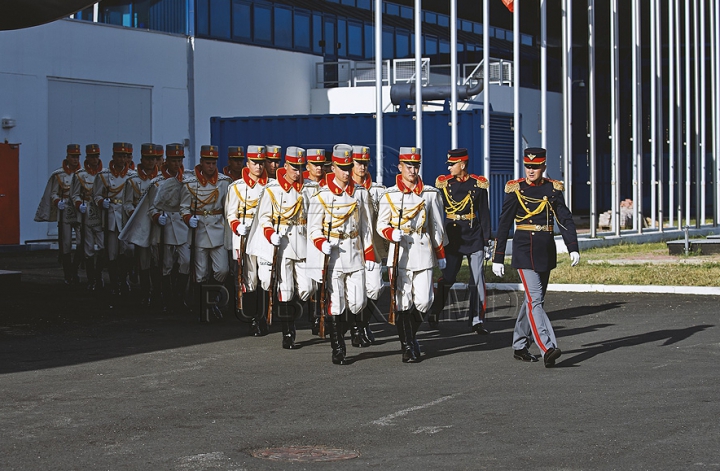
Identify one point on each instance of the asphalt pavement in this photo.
(89, 387)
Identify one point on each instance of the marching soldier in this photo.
(339, 226)
(410, 216)
(82, 198)
(373, 278)
(202, 201)
(467, 225)
(234, 168)
(279, 240)
(243, 196)
(314, 178)
(172, 236)
(55, 205)
(108, 192)
(273, 154)
(136, 188)
(535, 204)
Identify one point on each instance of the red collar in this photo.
(285, 184)
(67, 169)
(201, 178)
(336, 190)
(462, 179)
(366, 183)
(132, 165)
(539, 182)
(250, 182)
(404, 188)
(91, 171)
(118, 173)
(179, 175)
(147, 175)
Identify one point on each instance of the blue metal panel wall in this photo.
(323, 131)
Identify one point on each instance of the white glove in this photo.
(370, 265)
(241, 230)
(106, 203)
(442, 263)
(61, 205)
(326, 248)
(396, 235)
(498, 269)
(275, 239)
(574, 258)
(82, 208)
(193, 222)
(162, 219)
(488, 252)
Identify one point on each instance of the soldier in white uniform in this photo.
(373, 278)
(202, 201)
(172, 236)
(234, 168)
(135, 190)
(89, 214)
(55, 205)
(273, 154)
(339, 226)
(243, 197)
(108, 192)
(411, 216)
(314, 179)
(281, 224)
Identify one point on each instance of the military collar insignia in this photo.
(336, 190)
(286, 184)
(204, 181)
(405, 189)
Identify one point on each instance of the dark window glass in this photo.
(431, 46)
(283, 27)
(477, 28)
(342, 38)
(220, 19)
(202, 18)
(329, 36)
(402, 44)
(369, 41)
(365, 4)
(241, 20)
(412, 44)
(526, 40)
(301, 30)
(317, 33)
(407, 12)
(460, 46)
(388, 49)
(467, 26)
(355, 39)
(430, 17)
(262, 26)
(392, 9)
(350, 3)
(502, 34)
(443, 20)
(444, 46)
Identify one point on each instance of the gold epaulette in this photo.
(513, 185)
(481, 182)
(557, 184)
(441, 181)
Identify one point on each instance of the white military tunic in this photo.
(58, 188)
(82, 192)
(110, 183)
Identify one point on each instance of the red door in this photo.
(10, 193)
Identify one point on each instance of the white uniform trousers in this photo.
(374, 283)
(532, 319)
(414, 287)
(250, 271)
(292, 274)
(219, 258)
(116, 247)
(93, 241)
(145, 256)
(67, 235)
(347, 291)
(179, 254)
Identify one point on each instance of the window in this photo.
(317, 33)
(466, 26)
(369, 41)
(364, 4)
(392, 9)
(329, 35)
(301, 30)
(431, 45)
(202, 18)
(342, 38)
(444, 46)
(220, 19)
(283, 27)
(407, 12)
(402, 43)
(443, 20)
(262, 26)
(355, 39)
(241, 20)
(388, 46)
(478, 28)
(526, 40)
(350, 3)
(430, 18)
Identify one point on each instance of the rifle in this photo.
(191, 278)
(60, 229)
(80, 250)
(325, 278)
(241, 259)
(106, 231)
(394, 275)
(273, 268)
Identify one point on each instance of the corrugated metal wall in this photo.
(324, 131)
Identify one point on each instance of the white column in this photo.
(688, 115)
(614, 115)
(567, 100)
(703, 107)
(378, 93)
(653, 115)
(418, 77)
(453, 75)
(591, 117)
(516, 88)
(671, 113)
(659, 169)
(486, 88)
(543, 72)
(637, 118)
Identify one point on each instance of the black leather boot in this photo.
(167, 293)
(288, 331)
(90, 273)
(355, 332)
(416, 318)
(67, 268)
(400, 329)
(408, 355)
(363, 322)
(337, 342)
(156, 297)
(145, 288)
(181, 298)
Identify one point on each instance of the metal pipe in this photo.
(401, 92)
(614, 114)
(567, 100)
(679, 114)
(637, 118)
(453, 75)
(653, 115)
(486, 90)
(378, 94)
(703, 116)
(688, 116)
(716, 135)
(591, 118)
(659, 115)
(671, 114)
(543, 73)
(516, 88)
(418, 77)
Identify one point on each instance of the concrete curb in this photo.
(697, 290)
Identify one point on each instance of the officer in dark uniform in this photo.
(467, 225)
(535, 204)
